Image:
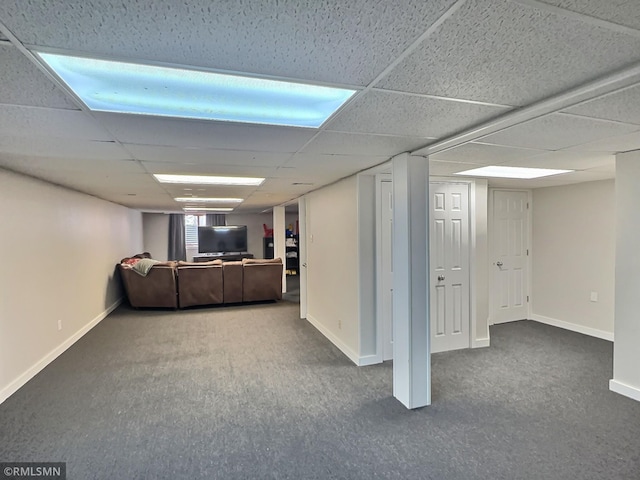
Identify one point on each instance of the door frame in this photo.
(490, 235)
(473, 341)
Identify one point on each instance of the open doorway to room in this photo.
(292, 253)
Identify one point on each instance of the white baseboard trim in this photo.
(592, 332)
(369, 360)
(480, 343)
(14, 386)
(624, 389)
(353, 356)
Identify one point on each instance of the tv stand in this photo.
(207, 257)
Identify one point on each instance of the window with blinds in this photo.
(191, 223)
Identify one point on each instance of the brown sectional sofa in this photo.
(187, 284)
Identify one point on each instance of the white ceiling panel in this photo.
(565, 160)
(316, 163)
(23, 84)
(320, 40)
(620, 143)
(21, 121)
(483, 154)
(447, 168)
(623, 106)
(557, 131)
(33, 165)
(622, 12)
(139, 129)
(511, 54)
(206, 157)
(378, 111)
(361, 144)
(67, 148)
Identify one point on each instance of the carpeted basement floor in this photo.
(252, 392)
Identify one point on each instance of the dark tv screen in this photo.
(227, 239)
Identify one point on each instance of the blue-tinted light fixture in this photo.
(111, 86)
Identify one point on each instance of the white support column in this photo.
(411, 342)
(279, 248)
(626, 354)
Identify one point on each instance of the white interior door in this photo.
(510, 261)
(386, 275)
(449, 266)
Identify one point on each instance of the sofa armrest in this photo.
(262, 280)
(157, 289)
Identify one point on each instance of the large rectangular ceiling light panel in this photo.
(122, 87)
(512, 172)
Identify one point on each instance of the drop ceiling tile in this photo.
(21, 121)
(623, 106)
(378, 111)
(619, 143)
(317, 163)
(33, 165)
(330, 40)
(565, 160)
(23, 84)
(512, 54)
(208, 191)
(49, 147)
(206, 157)
(622, 12)
(557, 131)
(143, 130)
(448, 168)
(361, 144)
(483, 154)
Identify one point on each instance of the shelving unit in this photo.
(291, 252)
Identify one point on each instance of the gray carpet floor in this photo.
(253, 392)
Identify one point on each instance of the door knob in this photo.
(440, 278)
(499, 264)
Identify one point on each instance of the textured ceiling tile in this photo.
(501, 52)
(143, 130)
(318, 163)
(483, 154)
(33, 165)
(565, 160)
(557, 131)
(623, 106)
(70, 148)
(324, 40)
(23, 84)
(620, 143)
(447, 168)
(409, 115)
(361, 144)
(19, 121)
(623, 12)
(206, 157)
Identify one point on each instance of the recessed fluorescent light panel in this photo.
(207, 209)
(208, 200)
(208, 180)
(512, 172)
(111, 86)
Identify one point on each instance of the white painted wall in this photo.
(626, 350)
(60, 251)
(573, 254)
(155, 227)
(480, 264)
(332, 259)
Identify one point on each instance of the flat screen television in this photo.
(227, 239)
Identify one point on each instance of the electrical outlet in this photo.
(59, 324)
(594, 296)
